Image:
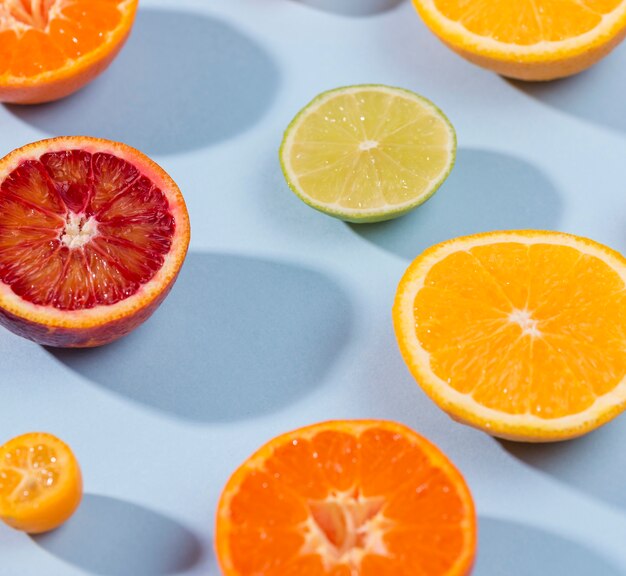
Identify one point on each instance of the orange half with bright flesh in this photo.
(92, 236)
(519, 333)
(528, 39)
(347, 498)
(51, 48)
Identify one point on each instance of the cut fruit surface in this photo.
(520, 333)
(528, 39)
(347, 498)
(92, 236)
(40, 483)
(51, 48)
(367, 153)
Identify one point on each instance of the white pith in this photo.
(526, 322)
(365, 529)
(37, 14)
(78, 230)
(368, 145)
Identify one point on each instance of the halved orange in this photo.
(92, 237)
(51, 48)
(40, 483)
(347, 498)
(528, 39)
(521, 333)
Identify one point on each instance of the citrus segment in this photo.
(532, 39)
(51, 48)
(517, 333)
(85, 225)
(349, 498)
(367, 153)
(40, 483)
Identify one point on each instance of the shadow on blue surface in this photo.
(485, 191)
(110, 537)
(352, 7)
(238, 336)
(183, 81)
(510, 549)
(596, 95)
(593, 464)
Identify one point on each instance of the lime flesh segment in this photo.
(367, 153)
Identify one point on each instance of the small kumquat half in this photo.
(40, 483)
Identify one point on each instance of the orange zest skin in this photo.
(52, 48)
(40, 483)
(518, 333)
(97, 324)
(531, 39)
(346, 498)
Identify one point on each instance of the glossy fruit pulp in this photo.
(527, 22)
(524, 329)
(37, 36)
(40, 482)
(26, 472)
(341, 504)
(79, 230)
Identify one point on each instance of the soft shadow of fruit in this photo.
(593, 464)
(237, 336)
(183, 81)
(511, 549)
(596, 95)
(485, 191)
(110, 537)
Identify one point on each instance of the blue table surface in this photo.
(281, 316)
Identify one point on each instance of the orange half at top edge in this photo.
(347, 498)
(52, 48)
(528, 39)
(521, 334)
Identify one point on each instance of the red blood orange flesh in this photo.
(92, 237)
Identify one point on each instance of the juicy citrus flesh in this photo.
(351, 498)
(78, 230)
(38, 36)
(518, 333)
(529, 21)
(52, 48)
(530, 39)
(40, 483)
(367, 153)
(92, 237)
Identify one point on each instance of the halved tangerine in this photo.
(92, 236)
(347, 498)
(51, 48)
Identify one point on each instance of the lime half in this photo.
(367, 153)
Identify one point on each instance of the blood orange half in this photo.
(92, 237)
